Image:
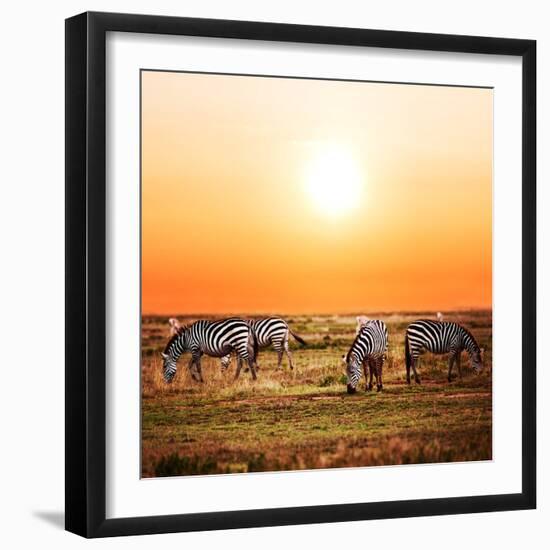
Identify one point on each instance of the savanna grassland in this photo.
(304, 419)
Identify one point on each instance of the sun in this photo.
(334, 181)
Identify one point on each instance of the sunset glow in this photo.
(275, 195)
(334, 182)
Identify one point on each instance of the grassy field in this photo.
(303, 419)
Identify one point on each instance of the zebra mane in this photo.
(180, 330)
(349, 351)
(352, 345)
(474, 341)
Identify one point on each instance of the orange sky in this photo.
(230, 221)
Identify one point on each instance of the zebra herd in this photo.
(220, 338)
(368, 351)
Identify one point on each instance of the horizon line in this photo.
(318, 313)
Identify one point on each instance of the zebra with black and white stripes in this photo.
(368, 350)
(271, 331)
(214, 338)
(439, 338)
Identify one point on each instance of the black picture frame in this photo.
(86, 268)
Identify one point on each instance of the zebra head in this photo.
(169, 367)
(476, 359)
(353, 371)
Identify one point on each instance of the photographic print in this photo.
(316, 273)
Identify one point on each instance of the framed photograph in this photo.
(300, 274)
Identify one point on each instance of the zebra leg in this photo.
(197, 362)
(190, 366)
(288, 354)
(255, 364)
(413, 365)
(451, 362)
(459, 366)
(279, 358)
(240, 359)
(278, 347)
(239, 366)
(199, 370)
(408, 367)
(251, 352)
(251, 366)
(374, 369)
(365, 367)
(251, 359)
(379, 365)
(371, 373)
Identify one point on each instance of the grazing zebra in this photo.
(271, 331)
(214, 338)
(368, 349)
(440, 337)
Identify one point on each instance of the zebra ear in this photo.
(164, 355)
(482, 351)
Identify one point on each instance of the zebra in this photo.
(368, 349)
(440, 337)
(272, 331)
(214, 338)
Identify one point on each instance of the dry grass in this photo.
(303, 419)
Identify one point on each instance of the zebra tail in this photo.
(256, 345)
(298, 338)
(407, 352)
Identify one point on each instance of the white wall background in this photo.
(32, 270)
